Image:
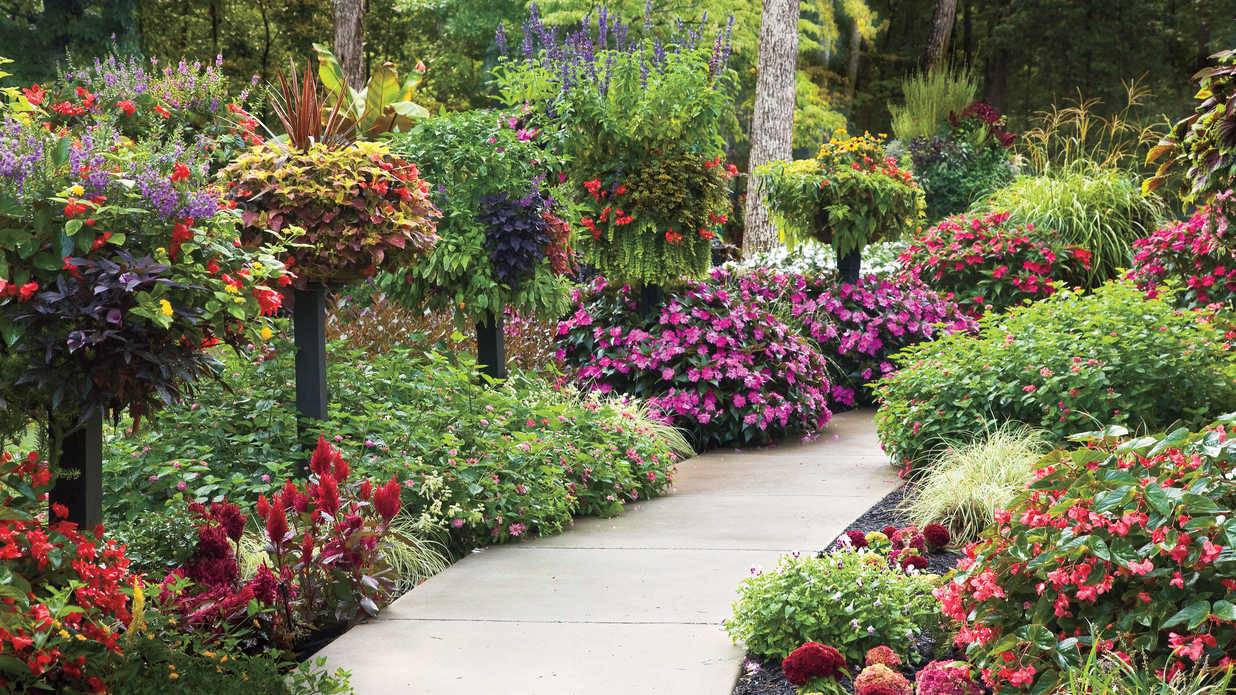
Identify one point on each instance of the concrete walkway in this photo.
(631, 605)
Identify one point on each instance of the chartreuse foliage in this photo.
(1060, 364)
(385, 104)
(347, 211)
(851, 194)
(1120, 546)
(490, 177)
(641, 126)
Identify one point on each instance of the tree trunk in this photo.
(350, 40)
(941, 28)
(772, 124)
(851, 72)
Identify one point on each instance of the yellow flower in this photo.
(76, 190)
(266, 333)
(166, 307)
(258, 267)
(230, 289)
(173, 675)
(63, 633)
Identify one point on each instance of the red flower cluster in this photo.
(1106, 543)
(946, 678)
(813, 660)
(980, 112)
(1199, 255)
(883, 655)
(59, 642)
(982, 262)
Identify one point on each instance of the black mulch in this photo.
(761, 677)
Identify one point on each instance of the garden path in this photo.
(629, 605)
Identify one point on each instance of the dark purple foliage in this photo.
(516, 235)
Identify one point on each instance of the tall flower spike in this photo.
(323, 457)
(386, 499)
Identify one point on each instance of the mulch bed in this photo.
(760, 677)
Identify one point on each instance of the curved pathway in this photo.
(631, 605)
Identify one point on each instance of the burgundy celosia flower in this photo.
(264, 585)
(946, 678)
(937, 536)
(230, 518)
(386, 499)
(812, 660)
(883, 655)
(326, 494)
(881, 680)
(276, 522)
(858, 539)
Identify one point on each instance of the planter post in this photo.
(491, 346)
(848, 265)
(309, 326)
(651, 299)
(81, 457)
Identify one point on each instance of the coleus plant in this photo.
(1203, 143)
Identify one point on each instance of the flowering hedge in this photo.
(1059, 365)
(1123, 547)
(850, 195)
(858, 327)
(727, 371)
(347, 212)
(64, 589)
(1198, 255)
(119, 267)
(988, 264)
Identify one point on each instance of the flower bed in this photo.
(1198, 256)
(987, 264)
(1119, 546)
(725, 370)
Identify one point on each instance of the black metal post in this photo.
(848, 266)
(79, 473)
(309, 326)
(651, 299)
(491, 346)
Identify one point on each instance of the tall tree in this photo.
(941, 29)
(350, 40)
(772, 124)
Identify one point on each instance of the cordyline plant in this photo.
(850, 195)
(1123, 546)
(986, 263)
(119, 268)
(323, 562)
(348, 208)
(65, 602)
(640, 123)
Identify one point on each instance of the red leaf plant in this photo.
(324, 564)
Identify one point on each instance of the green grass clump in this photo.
(971, 481)
(929, 98)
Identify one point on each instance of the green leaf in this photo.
(1192, 615)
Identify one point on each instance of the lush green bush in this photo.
(969, 482)
(1061, 364)
(471, 158)
(157, 540)
(482, 464)
(986, 263)
(849, 599)
(717, 364)
(1101, 209)
(956, 173)
(1123, 547)
(640, 123)
(850, 195)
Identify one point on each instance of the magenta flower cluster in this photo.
(1199, 255)
(856, 326)
(720, 365)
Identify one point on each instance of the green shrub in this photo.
(1061, 364)
(483, 464)
(971, 481)
(929, 100)
(1123, 547)
(956, 173)
(849, 599)
(1102, 210)
(1111, 675)
(156, 541)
